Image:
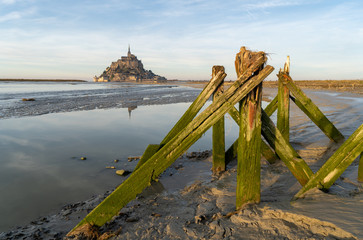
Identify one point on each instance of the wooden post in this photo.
(218, 141)
(360, 168)
(249, 141)
(188, 116)
(311, 110)
(283, 106)
(336, 164)
(285, 151)
(161, 160)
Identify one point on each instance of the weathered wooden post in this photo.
(249, 141)
(360, 168)
(283, 105)
(218, 141)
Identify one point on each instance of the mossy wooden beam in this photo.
(336, 164)
(249, 150)
(271, 107)
(151, 169)
(266, 151)
(218, 139)
(310, 109)
(189, 114)
(283, 109)
(249, 140)
(284, 150)
(360, 168)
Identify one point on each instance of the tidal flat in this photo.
(42, 152)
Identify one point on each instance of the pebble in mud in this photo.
(83, 158)
(122, 172)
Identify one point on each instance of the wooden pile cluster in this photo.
(254, 122)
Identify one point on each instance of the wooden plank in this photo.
(161, 160)
(360, 168)
(189, 114)
(249, 150)
(271, 107)
(311, 110)
(336, 164)
(284, 150)
(266, 151)
(283, 109)
(218, 139)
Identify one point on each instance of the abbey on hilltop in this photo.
(128, 69)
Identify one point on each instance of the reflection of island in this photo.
(130, 109)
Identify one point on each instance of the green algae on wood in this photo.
(284, 150)
(249, 150)
(336, 164)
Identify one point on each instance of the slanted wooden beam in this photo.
(218, 138)
(311, 110)
(285, 151)
(151, 169)
(271, 107)
(189, 114)
(336, 164)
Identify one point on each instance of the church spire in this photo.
(129, 52)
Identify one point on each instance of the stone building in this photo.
(128, 69)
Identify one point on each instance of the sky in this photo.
(78, 39)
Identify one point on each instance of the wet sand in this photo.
(189, 203)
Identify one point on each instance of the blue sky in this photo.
(78, 39)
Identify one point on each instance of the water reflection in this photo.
(40, 161)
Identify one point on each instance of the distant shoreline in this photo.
(39, 80)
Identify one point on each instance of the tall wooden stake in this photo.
(218, 139)
(283, 106)
(249, 141)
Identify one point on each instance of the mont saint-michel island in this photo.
(128, 69)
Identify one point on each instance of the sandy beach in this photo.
(189, 203)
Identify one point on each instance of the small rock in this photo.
(116, 160)
(83, 158)
(122, 172)
(111, 167)
(28, 99)
(132, 219)
(156, 214)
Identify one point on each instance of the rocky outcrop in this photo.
(128, 69)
